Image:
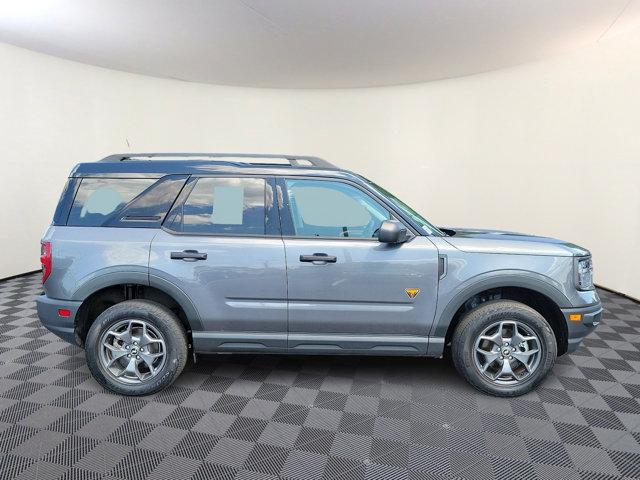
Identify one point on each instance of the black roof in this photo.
(183, 163)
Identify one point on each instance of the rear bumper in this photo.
(61, 326)
(591, 317)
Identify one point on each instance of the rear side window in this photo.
(98, 198)
(234, 206)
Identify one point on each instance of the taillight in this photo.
(45, 260)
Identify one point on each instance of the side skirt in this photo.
(312, 344)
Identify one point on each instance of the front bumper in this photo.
(61, 326)
(591, 317)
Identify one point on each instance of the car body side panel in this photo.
(86, 259)
(359, 302)
(471, 273)
(239, 290)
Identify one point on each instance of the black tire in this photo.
(154, 314)
(477, 320)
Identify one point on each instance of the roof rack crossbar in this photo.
(294, 160)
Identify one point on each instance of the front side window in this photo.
(321, 208)
(226, 206)
(98, 198)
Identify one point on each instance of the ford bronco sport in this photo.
(152, 258)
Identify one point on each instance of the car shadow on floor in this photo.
(416, 372)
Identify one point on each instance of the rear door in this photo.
(347, 291)
(221, 246)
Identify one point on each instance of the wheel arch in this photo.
(110, 289)
(528, 289)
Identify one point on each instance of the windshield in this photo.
(406, 209)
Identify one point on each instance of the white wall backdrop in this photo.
(550, 148)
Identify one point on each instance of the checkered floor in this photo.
(315, 417)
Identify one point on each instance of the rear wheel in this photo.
(136, 347)
(504, 348)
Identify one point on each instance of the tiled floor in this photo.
(315, 417)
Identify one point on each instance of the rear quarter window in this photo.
(98, 199)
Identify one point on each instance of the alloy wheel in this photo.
(507, 352)
(132, 351)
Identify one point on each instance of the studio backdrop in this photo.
(549, 148)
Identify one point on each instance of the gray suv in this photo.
(154, 258)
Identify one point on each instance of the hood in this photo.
(499, 241)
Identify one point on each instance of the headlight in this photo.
(584, 273)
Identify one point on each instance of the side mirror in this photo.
(392, 231)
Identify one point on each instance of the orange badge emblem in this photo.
(412, 292)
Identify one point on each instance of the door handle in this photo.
(318, 257)
(188, 255)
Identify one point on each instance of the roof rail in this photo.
(236, 158)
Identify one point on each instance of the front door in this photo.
(347, 292)
(222, 249)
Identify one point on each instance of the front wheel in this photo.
(504, 348)
(136, 347)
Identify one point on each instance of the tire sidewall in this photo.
(161, 320)
(484, 317)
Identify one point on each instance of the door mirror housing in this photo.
(392, 231)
